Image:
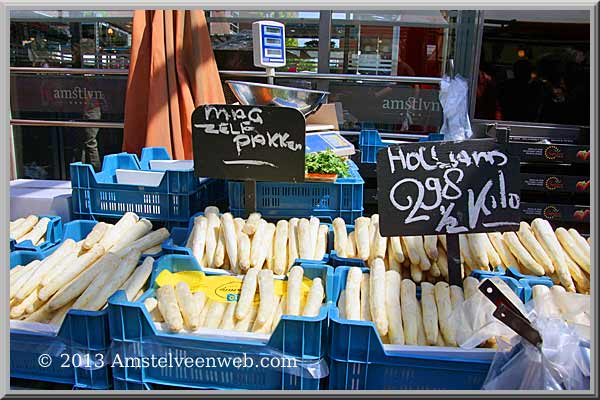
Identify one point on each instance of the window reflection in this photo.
(535, 71)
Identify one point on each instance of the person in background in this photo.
(517, 96)
(487, 105)
(553, 105)
(86, 143)
(404, 69)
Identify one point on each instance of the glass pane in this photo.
(535, 67)
(68, 97)
(69, 42)
(391, 107)
(231, 37)
(405, 43)
(56, 147)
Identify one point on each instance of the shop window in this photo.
(535, 67)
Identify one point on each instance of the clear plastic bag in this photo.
(561, 362)
(453, 98)
(474, 320)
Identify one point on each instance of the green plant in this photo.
(326, 162)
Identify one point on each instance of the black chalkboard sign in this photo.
(447, 188)
(249, 142)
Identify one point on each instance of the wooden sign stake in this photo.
(454, 270)
(250, 196)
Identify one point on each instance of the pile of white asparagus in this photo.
(31, 228)
(556, 302)
(391, 304)
(563, 255)
(237, 245)
(179, 308)
(83, 275)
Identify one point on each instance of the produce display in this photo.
(563, 255)
(179, 308)
(83, 275)
(556, 302)
(326, 162)
(29, 228)
(236, 245)
(391, 303)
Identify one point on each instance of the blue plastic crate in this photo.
(82, 332)
(134, 334)
(179, 237)
(342, 198)
(370, 142)
(53, 237)
(178, 196)
(358, 360)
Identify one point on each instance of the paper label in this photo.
(223, 288)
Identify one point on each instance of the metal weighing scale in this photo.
(269, 53)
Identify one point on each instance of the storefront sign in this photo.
(67, 94)
(388, 103)
(249, 142)
(447, 187)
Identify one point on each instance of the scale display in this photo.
(269, 44)
(321, 141)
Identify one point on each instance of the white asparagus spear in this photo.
(321, 249)
(139, 278)
(121, 274)
(95, 235)
(294, 290)
(543, 232)
(363, 240)
(114, 234)
(292, 241)
(365, 305)
(573, 249)
(266, 289)
(408, 300)
(429, 312)
(280, 247)
(146, 242)
(71, 272)
(169, 309)
(138, 230)
(314, 299)
(247, 294)
(304, 243)
(24, 227)
(198, 238)
(377, 297)
(340, 237)
(212, 235)
(353, 281)
(395, 247)
(393, 309)
(37, 232)
(534, 248)
(314, 232)
(78, 286)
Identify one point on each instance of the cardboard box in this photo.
(40, 198)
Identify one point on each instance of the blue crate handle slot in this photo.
(53, 237)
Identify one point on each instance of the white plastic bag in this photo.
(561, 362)
(453, 98)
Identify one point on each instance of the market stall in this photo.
(254, 265)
